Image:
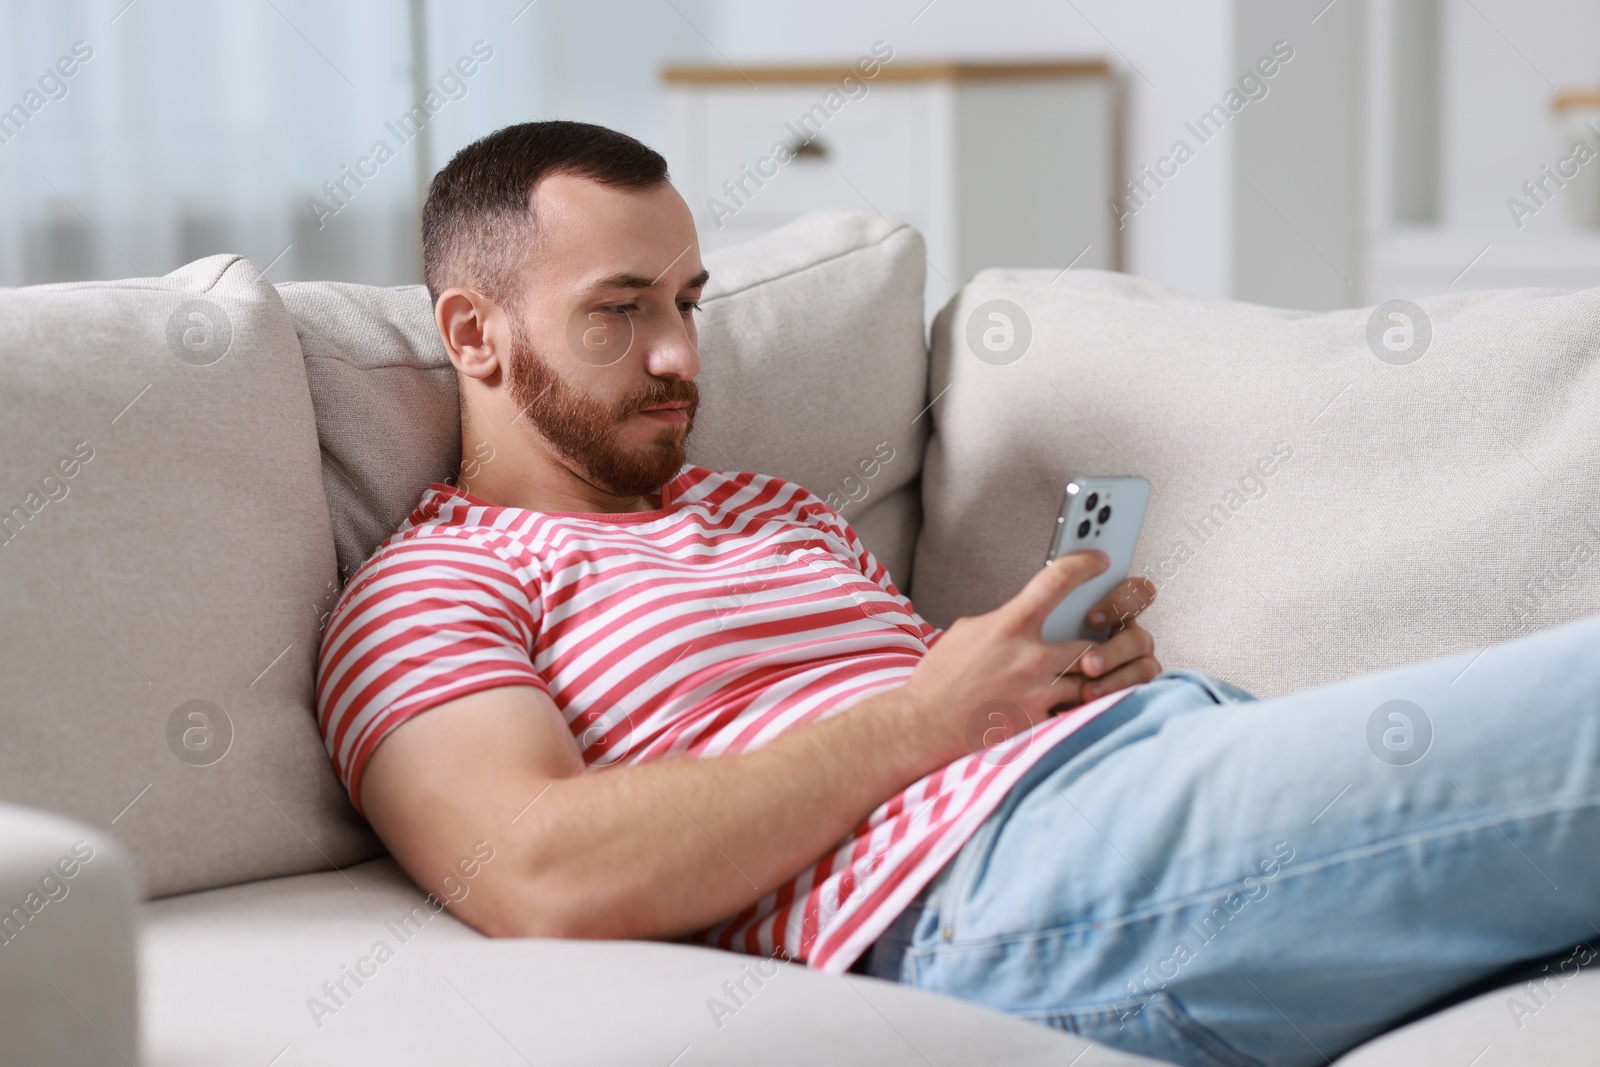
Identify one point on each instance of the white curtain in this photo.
(191, 127)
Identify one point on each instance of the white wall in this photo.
(1299, 151)
(1503, 60)
(591, 60)
(1173, 57)
(1501, 64)
(199, 127)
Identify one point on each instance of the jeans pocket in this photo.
(1155, 1025)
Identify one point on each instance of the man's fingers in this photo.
(1123, 605)
(1055, 580)
(1071, 655)
(1138, 672)
(1122, 647)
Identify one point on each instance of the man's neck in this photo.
(513, 471)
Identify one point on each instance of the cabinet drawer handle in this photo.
(812, 149)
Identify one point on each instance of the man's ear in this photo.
(470, 324)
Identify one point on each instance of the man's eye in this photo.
(687, 306)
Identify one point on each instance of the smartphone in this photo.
(1104, 513)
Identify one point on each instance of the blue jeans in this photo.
(1207, 878)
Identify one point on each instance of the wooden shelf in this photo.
(887, 72)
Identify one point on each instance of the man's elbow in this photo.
(543, 908)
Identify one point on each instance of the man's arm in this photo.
(652, 850)
(665, 848)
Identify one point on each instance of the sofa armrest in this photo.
(68, 943)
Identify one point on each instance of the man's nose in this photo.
(673, 353)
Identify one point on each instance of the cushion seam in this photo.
(372, 366)
(227, 268)
(809, 266)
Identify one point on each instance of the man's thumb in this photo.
(1056, 579)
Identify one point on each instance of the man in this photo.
(685, 703)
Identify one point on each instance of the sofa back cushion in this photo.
(814, 368)
(1334, 493)
(386, 405)
(164, 561)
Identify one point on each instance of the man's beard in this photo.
(585, 430)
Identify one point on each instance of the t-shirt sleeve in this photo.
(871, 567)
(424, 621)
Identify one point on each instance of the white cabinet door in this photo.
(865, 154)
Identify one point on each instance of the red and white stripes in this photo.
(741, 608)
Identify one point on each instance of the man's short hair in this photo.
(478, 226)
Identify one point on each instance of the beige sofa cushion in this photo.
(232, 976)
(1558, 1021)
(166, 554)
(813, 368)
(1323, 505)
(67, 943)
(386, 404)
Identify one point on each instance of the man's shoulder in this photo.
(432, 537)
(416, 551)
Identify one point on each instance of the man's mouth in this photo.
(676, 411)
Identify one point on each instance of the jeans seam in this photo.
(1170, 1009)
(1487, 822)
(964, 875)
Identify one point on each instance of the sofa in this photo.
(191, 465)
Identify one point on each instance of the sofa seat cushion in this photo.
(236, 977)
(1334, 493)
(1556, 1021)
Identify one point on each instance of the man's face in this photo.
(603, 356)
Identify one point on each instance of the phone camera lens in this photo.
(1105, 513)
(1083, 528)
(1089, 505)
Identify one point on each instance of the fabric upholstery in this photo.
(67, 943)
(229, 977)
(1556, 1021)
(1318, 511)
(386, 404)
(166, 557)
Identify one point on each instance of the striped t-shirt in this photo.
(741, 608)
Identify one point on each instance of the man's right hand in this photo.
(999, 660)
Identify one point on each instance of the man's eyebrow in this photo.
(624, 280)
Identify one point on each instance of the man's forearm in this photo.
(665, 848)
